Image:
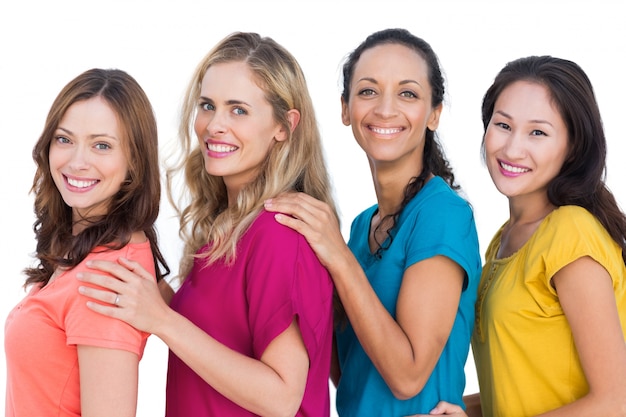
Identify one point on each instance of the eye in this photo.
(239, 111)
(207, 106)
(538, 132)
(366, 92)
(61, 139)
(102, 146)
(408, 94)
(503, 125)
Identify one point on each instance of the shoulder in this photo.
(438, 191)
(265, 234)
(265, 223)
(571, 232)
(438, 202)
(140, 252)
(573, 220)
(139, 248)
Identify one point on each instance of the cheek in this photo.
(196, 127)
(200, 124)
(55, 159)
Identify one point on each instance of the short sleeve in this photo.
(444, 225)
(284, 280)
(86, 327)
(572, 233)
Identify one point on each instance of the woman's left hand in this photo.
(444, 409)
(131, 294)
(313, 219)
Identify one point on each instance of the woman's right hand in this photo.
(130, 293)
(444, 409)
(314, 220)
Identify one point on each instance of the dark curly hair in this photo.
(434, 160)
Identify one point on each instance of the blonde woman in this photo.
(250, 329)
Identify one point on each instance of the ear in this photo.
(293, 117)
(345, 112)
(433, 120)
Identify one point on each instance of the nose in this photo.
(214, 123)
(385, 106)
(80, 159)
(515, 146)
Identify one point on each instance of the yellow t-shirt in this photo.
(523, 347)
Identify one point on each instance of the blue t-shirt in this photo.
(437, 221)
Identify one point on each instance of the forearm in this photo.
(246, 381)
(383, 339)
(613, 405)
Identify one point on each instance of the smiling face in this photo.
(526, 141)
(235, 125)
(390, 104)
(87, 161)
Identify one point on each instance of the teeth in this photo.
(385, 131)
(80, 183)
(510, 168)
(220, 148)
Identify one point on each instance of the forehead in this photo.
(391, 61)
(92, 113)
(231, 79)
(528, 97)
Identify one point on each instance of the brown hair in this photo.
(134, 207)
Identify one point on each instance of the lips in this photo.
(512, 168)
(80, 183)
(385, 130)
(220, 148)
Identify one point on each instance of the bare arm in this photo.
(586, 295)
(271, 386)
(108, 382)
(404, 351)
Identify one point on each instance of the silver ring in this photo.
(117, 300)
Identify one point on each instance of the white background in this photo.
(44, 44)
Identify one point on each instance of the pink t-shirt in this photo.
(275, 278)
(42, 332)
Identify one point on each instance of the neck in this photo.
(529, 210)
(390, 185)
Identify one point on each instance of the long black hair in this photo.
(581, 180)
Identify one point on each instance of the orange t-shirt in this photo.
(43, 330)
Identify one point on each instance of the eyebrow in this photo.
(508, 116)
(228, 102)
(93, 136)
(403, 82)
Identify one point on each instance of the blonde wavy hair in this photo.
(296, 164)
